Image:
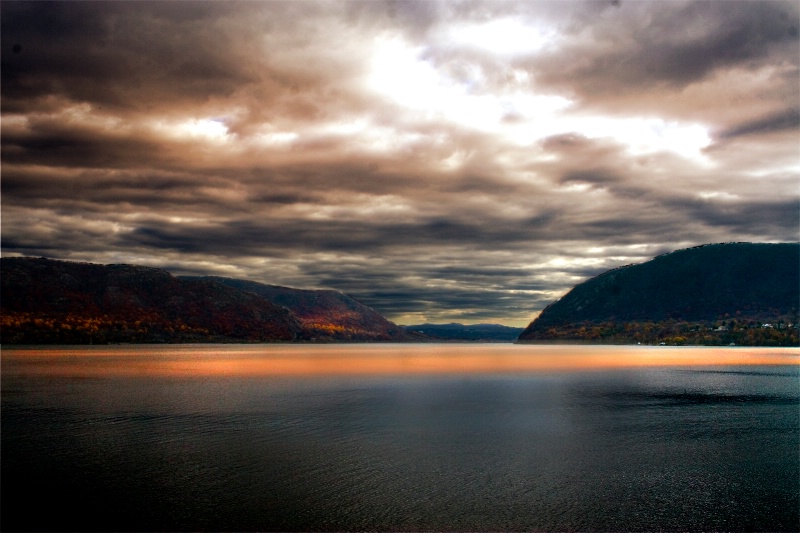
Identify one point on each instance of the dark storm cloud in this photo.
(673, 43)
(477, 303)
(286, 237)
(335, 176)
(440, 161)
(783, 121)
(597, 177)
(278, 237)
(119, 54)
(479, 298)
(88, 190)
(50, 143)
(746, 218)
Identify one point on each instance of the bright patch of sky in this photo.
(504, 36)
(212, 130)
(718, 195)
(402, 74)
(644, 135)
(274, 139)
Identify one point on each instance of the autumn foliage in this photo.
(782, 332)
(326, 315)
(45, 301)
(58, 302)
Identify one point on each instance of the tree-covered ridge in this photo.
(326, 315)
(57, 302)
(46, 301)
(783, 332)
(741, 293)
(84, 328)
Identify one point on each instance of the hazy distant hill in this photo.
(324, 314)
(743, 293)
(461, 332)
(47, 301)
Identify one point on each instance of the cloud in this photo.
(782, 121)
(125, 55)
(440, 161)
(641, 46)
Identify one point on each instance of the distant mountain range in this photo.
(741, 293)
(473, 333)
(48, 301)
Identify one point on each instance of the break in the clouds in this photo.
(440, 161)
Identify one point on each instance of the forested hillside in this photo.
(324, 314)
(741, 293)
(47, 301)
(58, 302)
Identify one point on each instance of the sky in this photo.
(440, 161)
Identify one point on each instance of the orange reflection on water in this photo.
(368, 359)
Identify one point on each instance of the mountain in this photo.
(326, 315)
(473, 333)
(742, 293)
(46, 301)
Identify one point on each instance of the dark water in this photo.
(633, 449)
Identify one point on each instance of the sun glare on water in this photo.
(366, 359)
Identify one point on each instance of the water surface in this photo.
(401, 437)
